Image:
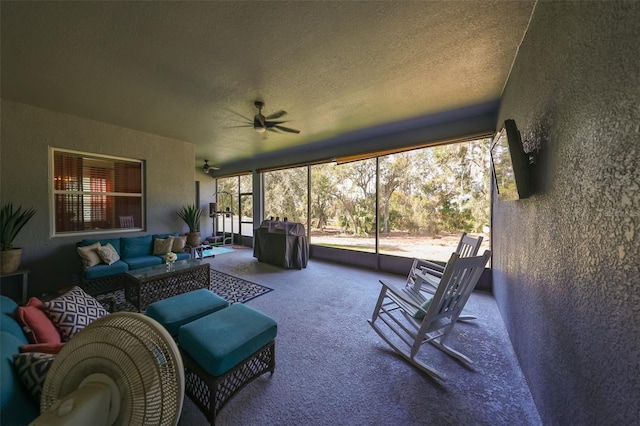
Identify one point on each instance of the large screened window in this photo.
(429, 196)
(95, 193)
(245, 205)
(343, 199)
(285, 194)
(234, 203)
(227, 220)
(425, 199)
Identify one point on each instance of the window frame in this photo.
(54, 233)
(376, 247)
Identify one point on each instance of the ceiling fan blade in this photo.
(286, 129)
(239, 115)
(276, 114)
(273, 123)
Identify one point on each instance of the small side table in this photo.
(25, 279)
(198, 251)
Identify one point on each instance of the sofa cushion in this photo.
(16, 406)
(37, 326)
(143, 261)
(89, 255)
(183, 256)
(32, 368)
(73, 311)
(9, 319)
(115, 242)
(102, 270)
(162, 246)
(136, 246)
(108, 254)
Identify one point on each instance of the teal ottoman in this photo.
(174, 312)
(224, 351)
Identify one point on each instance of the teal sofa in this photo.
(17, 406)
(134, 252)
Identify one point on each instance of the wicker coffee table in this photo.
(147, 285)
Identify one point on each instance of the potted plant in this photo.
(11, 223)
(191, 216)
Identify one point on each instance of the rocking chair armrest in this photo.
(428, 279)
(411, 302)
(431, 267)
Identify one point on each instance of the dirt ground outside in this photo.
(432, 247)
(438, 247)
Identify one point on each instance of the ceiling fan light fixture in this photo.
(206, 166)
(260, 129)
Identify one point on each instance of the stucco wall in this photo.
(567, 260)
(27, 132)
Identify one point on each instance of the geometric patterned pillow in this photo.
(32, 368)
(73, 311)
(162, 246)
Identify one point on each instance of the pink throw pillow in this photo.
(45, 348)
(38, 326)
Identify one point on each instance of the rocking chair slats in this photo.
(425, 276)
(406, 313)
(431, 272)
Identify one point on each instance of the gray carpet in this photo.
(234, 289)
(230, 288)
(333, 369)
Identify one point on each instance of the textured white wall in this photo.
(566, 261)
(27, 132)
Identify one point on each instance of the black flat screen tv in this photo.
(511, 168)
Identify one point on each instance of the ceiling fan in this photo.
(207, 167)
(261, 123)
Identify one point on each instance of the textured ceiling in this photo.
(189, 70)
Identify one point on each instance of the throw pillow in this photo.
(37, 326)
(162, 247)
(46, 348)
(73, 311)
(179, 243)
(108, 254)
(89, 255)
(32, 368)
(425, 306)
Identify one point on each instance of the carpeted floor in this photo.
(230, 288)
(333, 369)
(234, 289)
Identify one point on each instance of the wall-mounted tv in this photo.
(511, 168)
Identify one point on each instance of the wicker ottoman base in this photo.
(210, 393)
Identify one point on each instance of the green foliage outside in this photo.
(421, 192)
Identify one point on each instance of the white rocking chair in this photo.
(417, 319)
(428, 274)
(431, 272)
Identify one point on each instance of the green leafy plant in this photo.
(11, 223)
(191, 216)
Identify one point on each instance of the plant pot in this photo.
(10, 260)
(193, 239)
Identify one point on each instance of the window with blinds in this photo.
(94, 193)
